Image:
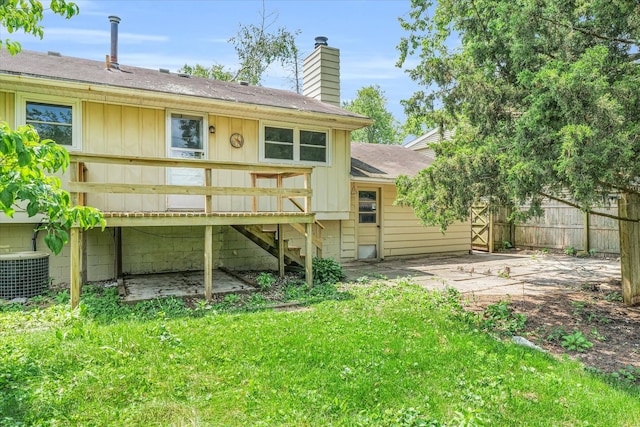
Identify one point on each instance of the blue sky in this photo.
(171, 33)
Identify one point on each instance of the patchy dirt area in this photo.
(593, 309)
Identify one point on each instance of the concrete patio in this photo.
(509, 273)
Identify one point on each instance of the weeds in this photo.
(265, 281)
(570, 251)
(501, 317)
(613, 297)
(327, 271)
(576, 342)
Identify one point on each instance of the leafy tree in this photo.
(543, 98)
(215, 72)
(26, 15)
(371, 102)
(27, 165)
(257, 47)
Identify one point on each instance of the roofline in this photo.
(420, 138)
(373, 180)
(214, 106)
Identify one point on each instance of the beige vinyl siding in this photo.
(403, 234)
(7, 108)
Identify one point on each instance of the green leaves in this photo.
(540, 96)
(25, 165)
(371, 102)
(26, 15)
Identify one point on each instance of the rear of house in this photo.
(194, 173)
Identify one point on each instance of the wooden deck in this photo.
(302, 220)
(136, 219)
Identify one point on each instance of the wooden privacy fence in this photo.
(560, 227)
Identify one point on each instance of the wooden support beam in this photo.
(208, 261)
(117, 235)
(308, 259)
(281, 250)
(77, 249)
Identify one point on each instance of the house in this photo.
(423, 144)
(377, 227)
(194, 174)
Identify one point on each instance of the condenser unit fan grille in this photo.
(23, 274)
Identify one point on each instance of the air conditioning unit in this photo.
(23, 274)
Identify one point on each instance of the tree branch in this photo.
(589, 211)
(590, 33)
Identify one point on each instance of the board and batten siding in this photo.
(140, 131)
(7, 110)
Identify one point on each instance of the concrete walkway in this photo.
(509, 273)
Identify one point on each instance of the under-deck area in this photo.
(270, 208)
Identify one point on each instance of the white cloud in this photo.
(83, 36)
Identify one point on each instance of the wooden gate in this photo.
(481, 228)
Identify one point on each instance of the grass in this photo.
(387, 356)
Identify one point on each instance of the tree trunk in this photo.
(629, 208)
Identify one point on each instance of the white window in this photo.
(53, 117)
(284, 144)
(187, 136)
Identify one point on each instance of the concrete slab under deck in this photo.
(142, 287)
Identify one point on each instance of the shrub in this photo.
(327, 271)
(265, 281)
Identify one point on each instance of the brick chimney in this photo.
(321, 75)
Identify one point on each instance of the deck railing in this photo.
(78, 185)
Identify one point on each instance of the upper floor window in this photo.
(295, 144)
(187, 137)
(52, 117)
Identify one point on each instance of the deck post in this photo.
(280, 250)
(208, 261)
(307, 199)
(308, 259)
(208, 199)
(76, 265)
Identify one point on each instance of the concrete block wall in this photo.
(99, 251)
(160, 249)
(240, 253)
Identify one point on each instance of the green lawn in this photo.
(386, 356)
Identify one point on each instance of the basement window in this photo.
(53, 118)
(285, 144)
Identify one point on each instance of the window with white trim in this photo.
(54, 118)
(281, 143)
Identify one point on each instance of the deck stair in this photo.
(266, 238)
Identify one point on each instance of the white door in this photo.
(368, 224)
(186, 141)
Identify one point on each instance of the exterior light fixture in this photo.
(212, 129)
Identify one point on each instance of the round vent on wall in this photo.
(23, 274)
